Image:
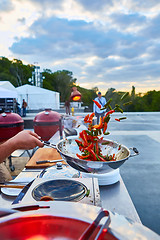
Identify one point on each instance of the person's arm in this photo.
(23, 140)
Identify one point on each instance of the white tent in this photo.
(7, 85)
(5, 93)
(38, 98)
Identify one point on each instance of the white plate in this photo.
(106, 178)
(15, 191)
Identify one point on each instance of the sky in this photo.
(104, 43)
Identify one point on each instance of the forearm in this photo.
(23, 140)
(6, 149)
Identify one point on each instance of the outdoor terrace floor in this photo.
(141, 174)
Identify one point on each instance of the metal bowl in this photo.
(68, 149)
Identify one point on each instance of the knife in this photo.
(13, 183)
(49, 161)
(23, 192)
(25, 189)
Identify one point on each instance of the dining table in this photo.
(113, 197)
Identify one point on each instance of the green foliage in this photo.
(15, 71)
(146, 103)
(60, 81)
(63, 81)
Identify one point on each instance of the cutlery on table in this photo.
(26, 188)
(49, 161)
(12, 186)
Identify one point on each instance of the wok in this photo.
(68, 149)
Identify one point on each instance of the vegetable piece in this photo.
(93, 154)
(91, 117)
(86, 118)
(105, 127)
(100, 125)
(83, 136)
(107, 105)
(110, 112)
(97, 148)
(107, 118)
(97, 103)
(88, 192)
(90, 146)
(127, 103)
(102, 159)
(78, 142)
(119, 119)
(83, 156)
(105, 143)
(106, 133)
(122, 118)
(124, 95)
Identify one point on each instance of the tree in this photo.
(21, 72)
(60, 81)
(95, 89)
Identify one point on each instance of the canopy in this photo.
(5, 93)
(7, 85)
(38, 98)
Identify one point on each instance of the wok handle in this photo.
(93, 226)
(136, 152)
(47, 143)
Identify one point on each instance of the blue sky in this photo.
(105, 43)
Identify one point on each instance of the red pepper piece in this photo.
(105, 127)
(90, 146)
(83, 157)
(93, 154)
(91, 117)
(98, 104)
(85, 136)
(86, 118)
(102, 159)
(113, 157)
(110, 112)
(117, 119)
(78, 142)
(81, 148)
(97, 148)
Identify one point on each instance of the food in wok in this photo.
(90, 141)
(91, 152)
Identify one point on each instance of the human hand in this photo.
(26, 139)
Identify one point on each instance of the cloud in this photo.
(47, 3)
(94, 5)
(61, 38)
(101, 42)
(22, 20)
(138, 5)
(152, 28)
(130, 20)
(6, 5)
